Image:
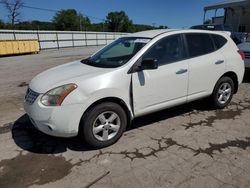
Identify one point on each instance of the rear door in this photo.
(206, 64)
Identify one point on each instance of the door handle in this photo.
(219, 62)
(181, 71)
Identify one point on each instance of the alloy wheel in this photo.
(106, 126)
(224, 93)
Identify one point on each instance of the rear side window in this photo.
(219, 41)
(199, 44)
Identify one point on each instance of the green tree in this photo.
(98, 27)
(35, 25)
(84, 22)
(119, 22)
(69, 20)
(1, 24)
(163, 27)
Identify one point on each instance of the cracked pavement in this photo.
(187, 146)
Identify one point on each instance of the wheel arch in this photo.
(234, 77)
(114, 100)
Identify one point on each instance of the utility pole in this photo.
(80, 21)
(103, 25)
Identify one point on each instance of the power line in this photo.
(30, 7)
(37, 8)
(52, 10)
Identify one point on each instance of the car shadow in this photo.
(246, 78)
(27, 137)
(200, 105)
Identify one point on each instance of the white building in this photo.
(232, 13)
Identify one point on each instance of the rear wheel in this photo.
(223, 92)
(104, 124)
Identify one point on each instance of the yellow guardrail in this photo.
(18, 47)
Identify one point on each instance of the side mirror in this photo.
(148, 64)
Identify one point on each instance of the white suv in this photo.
(135, 75)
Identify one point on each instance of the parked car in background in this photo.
(212, 27)
(135, 75)
(245, 47)
(238, 37)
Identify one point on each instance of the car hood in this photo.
(244, 46)
(63, 74)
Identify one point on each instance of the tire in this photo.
(103, 124)
(223, 92)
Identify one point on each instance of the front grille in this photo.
(31, 96)
(247, 55)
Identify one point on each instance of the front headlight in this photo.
(55, 96)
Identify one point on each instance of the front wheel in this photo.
(104, 124)
(223, 92)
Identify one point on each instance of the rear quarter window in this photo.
(219, 41)
(199, 44)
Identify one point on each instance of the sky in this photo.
(171, 13)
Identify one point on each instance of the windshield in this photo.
(117, 53)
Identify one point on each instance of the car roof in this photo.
(153, 33)
(150, 33)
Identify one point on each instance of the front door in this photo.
(166, 86)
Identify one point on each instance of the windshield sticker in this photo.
(142, 40)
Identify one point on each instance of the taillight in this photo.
(242, 54)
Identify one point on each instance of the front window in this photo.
(167, 50)
(117, 53)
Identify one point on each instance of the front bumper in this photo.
(60, 121)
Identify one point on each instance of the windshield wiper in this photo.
(89, 62)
